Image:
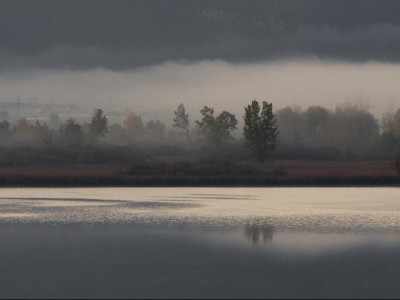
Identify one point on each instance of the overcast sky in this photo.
(165, 52)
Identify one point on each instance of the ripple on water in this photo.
(337, 211)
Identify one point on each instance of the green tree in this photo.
(217, 129)
(260, 130)
(181, 122)
(98, 126)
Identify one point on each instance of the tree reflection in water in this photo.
(255, 233)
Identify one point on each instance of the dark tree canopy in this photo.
(217, 129)
(260, 130)
(98, 126)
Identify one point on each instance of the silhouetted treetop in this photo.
(218, 129)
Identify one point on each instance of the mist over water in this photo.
(156, 91)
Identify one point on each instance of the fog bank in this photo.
(156, 91)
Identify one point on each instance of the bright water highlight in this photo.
(200, 242)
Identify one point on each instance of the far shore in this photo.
(272, 174)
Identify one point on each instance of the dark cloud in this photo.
(122, 35)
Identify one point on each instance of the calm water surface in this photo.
(200, 242)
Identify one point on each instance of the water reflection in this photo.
(127, 261)
(255, 233)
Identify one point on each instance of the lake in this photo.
(200, 243)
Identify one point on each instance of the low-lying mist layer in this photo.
(140, 109)
(156, 91)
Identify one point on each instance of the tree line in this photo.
(213, 130)
(349, 131)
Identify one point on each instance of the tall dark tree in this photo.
(217, 129)
(98, 126)
(260, 130)
(181, 122)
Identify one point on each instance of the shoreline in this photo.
(175, 174)
(195, 181)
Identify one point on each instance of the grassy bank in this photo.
(175, 174)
